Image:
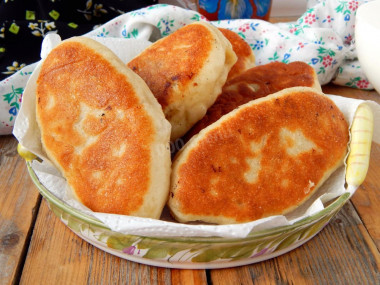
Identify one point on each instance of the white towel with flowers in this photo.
(323, 37)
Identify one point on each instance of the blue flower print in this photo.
(258, 45)
(13, 111)
(286, 57)
(166, 26)
(253, 26)
(314, 60)
(319, 42)
(209, 5)
(103, 33)
(235, 9)
(262, 6)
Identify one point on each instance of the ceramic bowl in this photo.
(193, 252)
(215, 252)
(367, 39)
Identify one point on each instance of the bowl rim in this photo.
(365, 16)
(340, 200)
(368, 5)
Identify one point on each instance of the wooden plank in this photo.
(235, 275)
(188, 277)
(19, 200)
(58, 256)
(351, 92)
(367, 198)
(282, 19)
(342, 253)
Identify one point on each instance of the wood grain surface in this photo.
(344, 246)
(367, 198)
(58, 256)
(338, 255)
(19, 202)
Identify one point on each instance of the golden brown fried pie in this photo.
(264, 158)
(102, 127)
(244, 53)
(255, 83)
(186, 71)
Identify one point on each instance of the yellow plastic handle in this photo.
(25, 154)
(360, 146)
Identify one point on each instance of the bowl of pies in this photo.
(257, 142)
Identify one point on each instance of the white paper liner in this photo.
(28, 134)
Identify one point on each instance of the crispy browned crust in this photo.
(94, 128)
(244, 53)
(255, 83)
(169, 66)
(211, 178)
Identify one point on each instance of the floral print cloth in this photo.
(323, 37)
(24, 24)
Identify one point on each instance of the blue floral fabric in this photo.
(24, 23)
(23, 26)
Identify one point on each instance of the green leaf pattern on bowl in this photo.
(191, 249)
(199, 250)
(217, 251)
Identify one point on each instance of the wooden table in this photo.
(37, 248)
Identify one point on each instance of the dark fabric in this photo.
(23, 24)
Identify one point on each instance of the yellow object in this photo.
(72, 25)
(54, 14)
(25, 154)
(30, 15)
(14, 28)
(361, 139)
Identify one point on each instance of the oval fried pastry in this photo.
(102, 127)
(255, 83)
(264, 158)
(186, 71)
(244, 53)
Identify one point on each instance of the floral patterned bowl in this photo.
(215, 252)
(195, 252)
